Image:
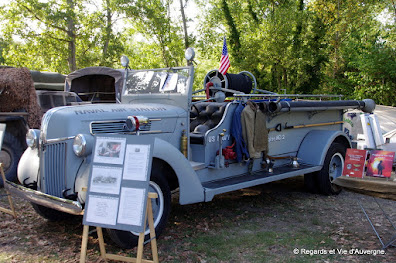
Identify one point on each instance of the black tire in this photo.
(159, 185)
(332, 168)
(311, 182)
(11, 152)
(51, 214)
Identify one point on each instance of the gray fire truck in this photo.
(236, 136)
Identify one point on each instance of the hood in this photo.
(69, 121)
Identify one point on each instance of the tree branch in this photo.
(43, 20)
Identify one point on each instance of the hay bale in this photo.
(18, 94)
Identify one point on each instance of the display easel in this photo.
(148, 217)
(2, 209)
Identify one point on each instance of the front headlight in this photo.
(79, 145)
(32, 138)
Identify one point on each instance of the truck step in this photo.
(197, 166)
(225, 185)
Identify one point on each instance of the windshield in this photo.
(157, 81)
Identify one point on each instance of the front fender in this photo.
(81, 183)
(28, 166)
(191, 190)
(314, 146)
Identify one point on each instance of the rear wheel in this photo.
(11, 152)
(332, 168)
(161, 211)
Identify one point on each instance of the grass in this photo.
(257, 245)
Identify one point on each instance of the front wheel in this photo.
(161, 211)
(10, 153)
(332, 168)
(50, 214)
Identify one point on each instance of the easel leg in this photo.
(139, 255)
(84, 244)
(12, 210)
(139, 258)
(101, 242)
(153, 238)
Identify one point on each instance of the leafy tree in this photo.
(3, 45)
(293, 46)
(151, 20)
(48, 34)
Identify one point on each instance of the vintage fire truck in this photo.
(237, 136)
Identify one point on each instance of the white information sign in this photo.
(118, 183)
(136, 162)
(102, 209)
(131, 206)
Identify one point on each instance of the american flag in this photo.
(225, 61)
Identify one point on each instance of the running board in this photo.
(248, 180)
(197, 166)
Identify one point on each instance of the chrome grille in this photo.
(113, 127)
(54, 168)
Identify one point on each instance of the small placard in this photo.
(355, 161)
(380, 163)
(118, 182)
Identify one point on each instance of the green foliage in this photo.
(159, 35)
(3, 45)
(57, 36)
(293, 46)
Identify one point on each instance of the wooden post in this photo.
(139, 257)
(2, 209)
(84, 244)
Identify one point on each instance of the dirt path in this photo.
(277, 222)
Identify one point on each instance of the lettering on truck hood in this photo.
(110, 111)
(141, 109)
(71, 120)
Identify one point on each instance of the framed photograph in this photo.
(109, 150)
(106, 179)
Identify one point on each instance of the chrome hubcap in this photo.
(336, 166)
(5, 159)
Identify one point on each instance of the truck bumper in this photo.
(60, 204)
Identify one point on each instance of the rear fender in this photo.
(314, 147)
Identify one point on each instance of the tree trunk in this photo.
(186, 44)
(71, 29)
(234, 36)
(108, 32)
